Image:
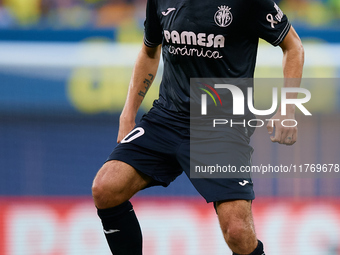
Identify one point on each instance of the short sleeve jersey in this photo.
(208, 38)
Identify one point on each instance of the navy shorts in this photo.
(160, 149)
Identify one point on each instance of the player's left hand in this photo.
(286, 134)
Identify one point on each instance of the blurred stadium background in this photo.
(64, 70)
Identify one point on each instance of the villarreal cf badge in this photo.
(223, 16)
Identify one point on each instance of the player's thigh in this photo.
(235, 216)
(117, 182)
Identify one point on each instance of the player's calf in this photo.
(121, 229)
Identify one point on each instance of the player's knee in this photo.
(105, 196)
(105, 193)
(98, 193)
(234, 233)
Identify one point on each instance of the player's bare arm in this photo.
(293, 60)
(143, 75)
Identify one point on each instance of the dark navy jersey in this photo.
(208, 38)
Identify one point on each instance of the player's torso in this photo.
(203, 29)
(206, 38)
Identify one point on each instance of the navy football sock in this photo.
(122, 229)
(258, 250)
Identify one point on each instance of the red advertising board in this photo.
(171, 226)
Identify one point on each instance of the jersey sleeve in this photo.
(152, 28)
(271, 24)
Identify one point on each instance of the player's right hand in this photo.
(125, 127)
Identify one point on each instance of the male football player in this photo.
(215, 38)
